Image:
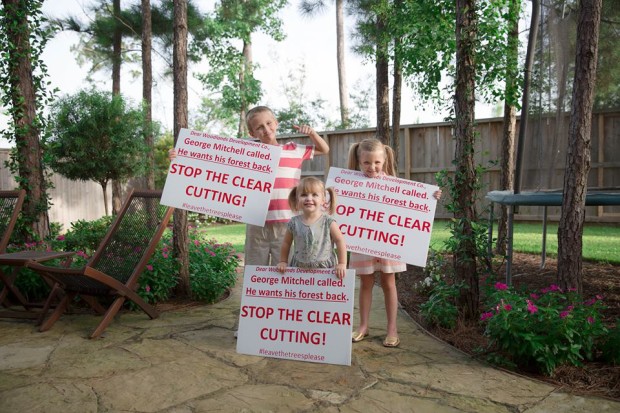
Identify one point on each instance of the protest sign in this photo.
(305, 314)
(224, 177)
(384, 217)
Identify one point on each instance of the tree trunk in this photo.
(340, 57)
(570, 229)
(180, 236)
(465, 256)
(510, 122)
(382, 82)
(147, 87)
(117, 38)
(24, 102)
(246, 70)
(396, 101)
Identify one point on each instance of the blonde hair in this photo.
(255, 111)
(372, 145)
(307, 185)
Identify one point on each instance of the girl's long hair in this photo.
(311, 184)
(372, 145)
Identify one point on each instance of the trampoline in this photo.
(540, 198)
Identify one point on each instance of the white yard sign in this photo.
(303, 314)
(385, 217)
(223, 177)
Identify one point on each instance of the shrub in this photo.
(611, 345)
(160, 274)
(85, 236)
(542, 331)
(440, 308)
(212, 269)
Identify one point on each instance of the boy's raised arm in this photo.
(320, 146)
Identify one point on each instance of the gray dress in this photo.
(313, 247)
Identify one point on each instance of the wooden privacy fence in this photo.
(425, 149)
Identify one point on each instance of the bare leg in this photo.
(367, 282)
(388, 283)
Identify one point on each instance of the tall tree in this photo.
(511, 98)
(570, 230)
(179, 58)
(231, 69)
(397, 84)
(23, 92)
(310, 7)
(147, 90)
(464, 258)
(382, 64)
(117, 39)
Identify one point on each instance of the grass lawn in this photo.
(601, 243)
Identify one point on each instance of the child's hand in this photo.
(305, 129)
(437, 194)
(282, 267)
(172, 153)
(341, 271)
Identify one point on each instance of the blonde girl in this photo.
(375, 159)
(313, 232)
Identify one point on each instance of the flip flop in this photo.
(356, 336)
(391, 341)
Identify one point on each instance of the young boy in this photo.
(263, 244)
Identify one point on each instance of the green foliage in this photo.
(159, 277)
(162, 145)
(611, 345)
(85, 235)
(232, 24)
(98, 137)
(542, 331)
(212, 269)
(440, 308)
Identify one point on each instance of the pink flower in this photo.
(60, 238)
(564, 314)
(534, 296)
(147, 288)
(486, 316)
(507, 307)
(590, 320)
(211, 253)
(196, 242)
(149, 267)
(531, 307)
(82, 254)
(501, 286)
(165, 255)
(554, 287)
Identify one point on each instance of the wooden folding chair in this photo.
(116, 265)
(10, 207)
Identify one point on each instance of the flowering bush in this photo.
(544, 330)
(440, 308)
(212, 269)
(160, 274)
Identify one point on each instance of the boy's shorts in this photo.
(263, 244)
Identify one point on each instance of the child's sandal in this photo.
(357, 336)
(391, 341)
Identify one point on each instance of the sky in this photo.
(310, 41)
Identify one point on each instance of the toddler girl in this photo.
(314, 232)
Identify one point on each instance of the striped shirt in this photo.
(287, 176)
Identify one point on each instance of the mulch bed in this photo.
(593, 378)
